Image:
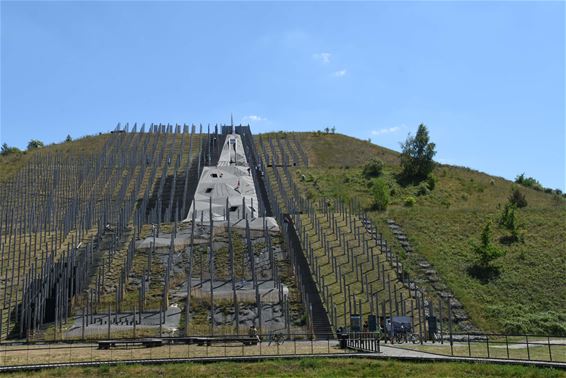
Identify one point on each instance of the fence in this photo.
(499, 346)
(479, 346)
(45, 353)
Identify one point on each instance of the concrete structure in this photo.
(228, 189)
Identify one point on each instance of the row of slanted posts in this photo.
(285, 151)
(348, 248)
(250, 273)
(58, 209)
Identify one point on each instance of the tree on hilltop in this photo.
(7, 150)
(34, 143)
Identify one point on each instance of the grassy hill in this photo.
(528, 294)
(11, 163)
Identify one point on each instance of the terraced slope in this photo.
(354, 270)
(57, 204)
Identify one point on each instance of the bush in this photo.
(486, 251)
(422, 189)
(528, 182)
(410, 201)
(507, 213)
(380, 192)
(373, 168)
(34, 143)
(517, 198)
(7, 150)
(431, 181)
(508, 219)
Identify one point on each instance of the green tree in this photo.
(34, 143)
(68, 138)
(508, 219)
(416, 156)
(373, 168)
(380, 191)
(486, 251)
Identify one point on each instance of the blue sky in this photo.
(487, 78)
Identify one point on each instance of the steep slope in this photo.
(528, 293)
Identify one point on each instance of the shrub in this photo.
(410, 201)
(7, 150)
(34, 143)
(528, 182)
(373, 168)
(486, 251)
(506, 214)
(380, 192)
(431, 181)
(517, 198)
(416, 156)
(508, 219)
(422, 189)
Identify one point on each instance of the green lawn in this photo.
(311, 367)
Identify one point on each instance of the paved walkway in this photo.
(407, 354)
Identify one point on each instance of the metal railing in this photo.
(494, 346)
(363, 341)
(174, 348)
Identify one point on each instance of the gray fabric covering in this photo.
(231, 181)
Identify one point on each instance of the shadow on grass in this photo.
(508, 239)
(405, 181)
(484, 274)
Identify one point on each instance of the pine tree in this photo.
(416, 156)
(486, 251)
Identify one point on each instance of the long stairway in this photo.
(319, 317)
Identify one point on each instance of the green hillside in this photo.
(11, 163)
(529, 292)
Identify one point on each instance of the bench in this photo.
(209, 340)
(148, 343)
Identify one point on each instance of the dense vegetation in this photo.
(444, 216)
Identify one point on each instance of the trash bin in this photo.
(343, 340)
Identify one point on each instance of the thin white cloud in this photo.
(386, 130)
(253, 118)
(340, 73)
(323, 57)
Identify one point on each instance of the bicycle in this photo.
(277, 338)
